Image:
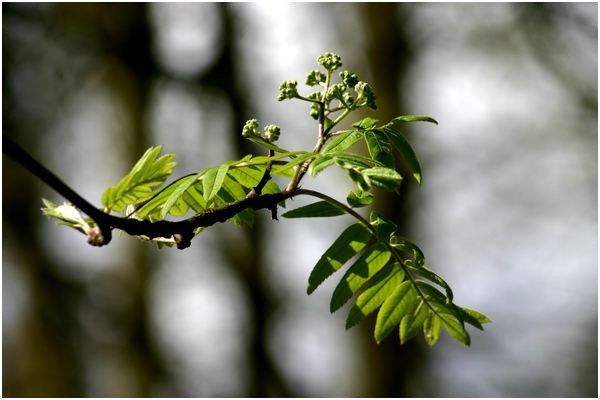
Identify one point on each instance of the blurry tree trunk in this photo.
(264, 378)
(390, 55)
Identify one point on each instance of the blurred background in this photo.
(507, 212)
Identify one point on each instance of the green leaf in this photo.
(432, 328)
(426, 273)
(314, 210)
(379, 147)
(448, 313)
(351, 160)
(230, 192)
(365, 123)
(359, 179)
(414, 118)
(346, 246)
(373, 297)
(359, 198)
(406, 151)
(384, 178)
(194, 199)
(180, 188)
(412, 322)
(385, 227)
(401, 302)
(262, 142)
(280, 169)
(213, 180)
(455, 328)
(342, 142)
(250, 176)
(320, 164)
(148, 173)
(474, 317)
(369, 263)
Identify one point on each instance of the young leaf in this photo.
(385, 227)
(178, 191)
(213, 180)
(319, 164)
(342, 142)
(250, 176)
(351, 160)
(373, 297)
(359, 179)
(455, 328)
(406, 151)
(474, 317)
(412, 322)
(230, 192)
(268, 145)
(432, 328)
(369, 263)
(359, 198)
(346, 246)
(426, 273)
(414, 118)
(365, 123)
(280, 169)
(379, 147)
(194, 199)
(384, 178)
(148, 173)
(314, 210)
(401, 302)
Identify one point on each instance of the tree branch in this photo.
(182, 231)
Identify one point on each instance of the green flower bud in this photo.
(314, 77)
(349, 78)
(314, 111)
(287, 90)
(348, 99)
(365, 95)
(272, 132)
(316, 95)
(330, 61)
(250, 128)
(335, 92)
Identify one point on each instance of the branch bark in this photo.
(182, 231)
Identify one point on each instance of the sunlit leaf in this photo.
(368, 264)
(401, 302)
(384, 178)
(406, 151)
(342, 141)
(359, 198)
(379, 147)
(314, 210)
(365, 123)
(374, 296)
(346, 246)
(213, 180)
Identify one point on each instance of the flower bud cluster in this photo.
(365, 94)
(272, 132)
(350, 79)
(288, 90)
(329, 61)
(315, 77)
(336, 92)
(250, 128)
